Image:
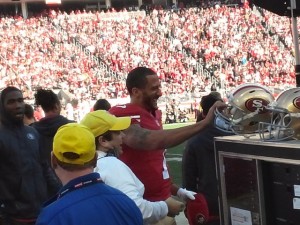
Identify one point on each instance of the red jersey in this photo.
(149, 166)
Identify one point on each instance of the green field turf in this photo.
(174, 156)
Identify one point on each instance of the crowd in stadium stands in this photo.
(193, 50)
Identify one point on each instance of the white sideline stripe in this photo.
(176, 124)
(170, 155)
(174, 159)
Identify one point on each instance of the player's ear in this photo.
(136, 91)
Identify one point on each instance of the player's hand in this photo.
(174, 207)
(209, 119)
(184, 194)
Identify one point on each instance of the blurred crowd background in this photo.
(84, 55)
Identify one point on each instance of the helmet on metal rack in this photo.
(285, 123)
(246, 108)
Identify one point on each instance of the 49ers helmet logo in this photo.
(296, 102)
(257, 104)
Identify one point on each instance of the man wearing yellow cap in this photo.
(84, 198)
(108, 131)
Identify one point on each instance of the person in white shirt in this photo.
(107, 130)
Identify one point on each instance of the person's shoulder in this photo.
(31, 133)
(65, 119)
(108, 162)
(105, 190)
(50, 214)
(34, 124)
(30, 128)
(125, 110)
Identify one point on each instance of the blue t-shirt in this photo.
(88, 201)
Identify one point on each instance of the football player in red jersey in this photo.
(146, 133)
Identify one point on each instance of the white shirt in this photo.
(117, 174)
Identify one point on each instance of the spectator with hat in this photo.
(108, 131)
(84, 198)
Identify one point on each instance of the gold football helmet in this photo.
(246, 108)
(285, 123)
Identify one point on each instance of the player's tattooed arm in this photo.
(137, 137)
(140, 138)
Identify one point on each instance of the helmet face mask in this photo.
(247, 107)
(285, 123)
(278, 129)
(222, 121)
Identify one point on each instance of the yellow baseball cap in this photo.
(74, 143)
(101, 121)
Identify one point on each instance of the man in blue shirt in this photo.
(84, 198)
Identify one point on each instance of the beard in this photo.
(17, 121)
(149, 103)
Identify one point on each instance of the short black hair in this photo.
(28, 111)
(137, 78)
(47, 99)
(207, 101)
(101, 104)
(7, 90)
